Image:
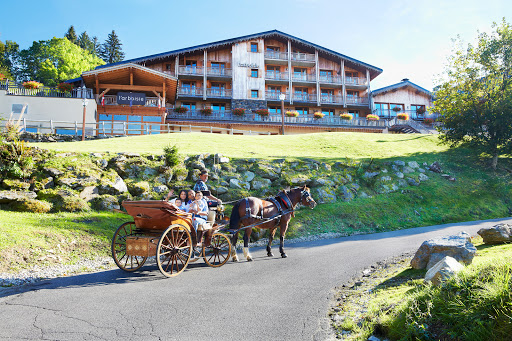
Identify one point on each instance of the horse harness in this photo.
(280, 201)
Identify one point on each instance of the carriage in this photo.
(162, 231)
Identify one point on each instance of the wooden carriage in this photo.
(159, 229)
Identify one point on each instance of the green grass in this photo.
(323, 146)
(474, 305)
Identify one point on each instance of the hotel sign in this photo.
(131, 98)
(252, 66)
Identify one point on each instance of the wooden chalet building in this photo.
(250, 72)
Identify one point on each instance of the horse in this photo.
(267, 214)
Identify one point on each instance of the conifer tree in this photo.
(111, 50)
(71, 35)
(86, 43)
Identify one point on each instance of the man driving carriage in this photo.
(201, 186)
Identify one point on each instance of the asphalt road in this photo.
(267, 299)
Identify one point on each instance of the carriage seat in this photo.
(204, 227)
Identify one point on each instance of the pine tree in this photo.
(111, 51)
(96, 46)
(71, 35)
(86, 43)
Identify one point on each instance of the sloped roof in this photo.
(374, 71)
(402, 84)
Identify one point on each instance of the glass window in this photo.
(152, 118)
(254, 94)
(134, 118)
(328, 112)
(119, 117)
(155, 129)
(273, 48)
(254, 73)
(118, 129)
(355, 113)
(134, 129)
(218, 106)
(274, 110)
(34, 130)
(104, 117)
(218, 68)
(67, 132)
(302, 111)
(254, 47)
(189, 106)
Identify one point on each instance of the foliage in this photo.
(396, 109)
(71, 35)
(318, 114)
(403, 116)
(292, 113)
(180, 110)
(32, 85)
(475, 101)
(13, 127)
(429, 120)
(65, 87)
(86, 43)
(56, 60)
(15, 159)
(420, 111)
(346, 116)
(171, 156)
(111, 50)
(206, 111)
(9, 58)
(262, 112)
(372, 117)
(239, 111)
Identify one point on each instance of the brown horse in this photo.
(267, 214)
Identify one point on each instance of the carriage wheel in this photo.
(217, 253)
(123, 261)
(174, 250)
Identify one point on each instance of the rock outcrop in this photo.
(497, 234)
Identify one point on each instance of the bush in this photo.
(31, 205)
(262, 112)
(65, 87)
(32, 85)
(181, 110)
(72, 204)
(239, 111)
(171, 156)
(372, 117)
(15, 159)
(206, 111)
(429, 120)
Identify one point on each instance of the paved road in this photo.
(267, 299)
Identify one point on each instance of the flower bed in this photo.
(181, 110)
(65, 87)
(206, 111)
(403, 116)
(372, 117)
(262, 112)
(239, 111)
(318, 115)
(346, 117)
(32, 85)
(292, 113)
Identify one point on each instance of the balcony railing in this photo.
(303, 57)
(18, 90)
(356, 100)
(219, 72)
(413, 115)
(219, 93)
(274, 118)
(276, 55)
(112, 100)
(303, 77)
(274, 95)
(276, 75)
(190, 92)
(304, 98)
(329, 79)
(355, 81)
(190, 70)
(331, 99)
(198, 92)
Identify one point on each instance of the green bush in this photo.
(31, 205)
(171, 156)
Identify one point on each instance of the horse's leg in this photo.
(283, 227)
(234, 239)
(270, 239)
(247, 235)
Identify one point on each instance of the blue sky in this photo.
(406, 38)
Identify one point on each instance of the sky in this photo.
(406, 38)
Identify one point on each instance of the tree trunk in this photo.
(494, 161)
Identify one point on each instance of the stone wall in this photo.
(249, 104)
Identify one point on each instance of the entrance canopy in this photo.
(131, 77)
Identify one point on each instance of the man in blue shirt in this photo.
(201, 186)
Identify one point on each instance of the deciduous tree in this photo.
(475, 100)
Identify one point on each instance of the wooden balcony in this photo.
(357, 82)
(357, 100)
(331, 99)
(277, 76)
(274, 96)
(306, 98)
(219, 93)
(190, 92)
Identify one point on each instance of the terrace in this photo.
(15, 89)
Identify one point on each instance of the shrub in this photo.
(181, 110)
(292, 113)
(31, 205)
(239, 111)
(2, 77)
(171, 156)
(262, 112)
(206, 111)
(429, 120)
(346, 116)
(65, 87)
(372, 117)
(32, 85)
(403, 116)
(318, 115)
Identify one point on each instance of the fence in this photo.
(18, 90)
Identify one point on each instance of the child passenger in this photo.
(199, 208)
(181, 205)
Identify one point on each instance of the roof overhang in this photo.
(401, 85)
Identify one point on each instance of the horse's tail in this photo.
(234, 219)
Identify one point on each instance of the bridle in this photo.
(305, 195)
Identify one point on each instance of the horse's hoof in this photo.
(249, 259)
(235, 259)
(270, 254)
(283, 255)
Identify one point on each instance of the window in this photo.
(188, 87)
(328, 112)
(355, 113)
(134, 118)
(327, 95)
(326, 75)
(255, 94)
(254, 47)
(254, 73)
(218, 68)
(273, 72)
(300, 94)
(218, 107)
(168, 67)
(351, 77)
(218, 89)
(190, 106)
(274, 110)
(119, 117)
(152, 119)
(382, 109)
(418, 111)
(191, 66)
(302, 111)
(300, 73)
(273, 48)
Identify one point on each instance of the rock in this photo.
(413, 164)
(497, 234)
(443, 270)
(299, 180)
(384, 170)
(399, 163)
(248, 176)
(15, 185)
(235, 183)
(325, 166)
(131, 155)
(81, 181)
(118, 186)
(149, 173)
(421, 170)
(263, 183)
(373, 338)
(223, 159)
(89, 193)
(386, 178)
(402, 183)
(412, 182)
(119, 158)
(348, 195)
(161, 189)
(267, 172)
(221, 190)
(44, 183)
(71, 204)
(399, 175)
(407, 170)
(339, 180)
(97, 155)
(53, 171)
(369, 175)
(354, 187)
(102, 163)
(106, 203)
(321, 182)
(387, 188)
(422, 177)
(364, 195)
(324, 195)
(435, 167)
(456, 246)
(162, 179)
(197, 165)
(180, 174)
(138, 188)
(10, 196)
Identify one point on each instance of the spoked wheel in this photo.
(123, 261)
(174, 250)
(217, 253)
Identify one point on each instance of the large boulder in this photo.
(433, 250)
(321, 182)
(267, 172)
(248, 176)
(497, 234)
(89, 193)
(347, 194)
(323, 195)
(10, 196)
(263, 183)
(113, 186)
(106, 203)
(443, 270)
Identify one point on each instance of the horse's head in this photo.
(305, 197)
